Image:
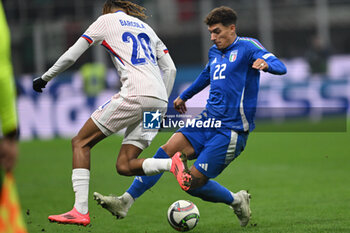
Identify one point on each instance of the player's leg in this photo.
(119, 206)
(127, 163)
(108, 118)
(214, 192)
(177, 142)
(88, 136)
(82, 143)
(216, 155)
(142, 183)
(190, 145)
(208, 190)
(136, 139)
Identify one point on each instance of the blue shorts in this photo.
(214, 148)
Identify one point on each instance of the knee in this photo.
(123, 169)
(168, 149)
(196, 187)
(195, 191)
(76, 142)
(79, 144)
(198, 182)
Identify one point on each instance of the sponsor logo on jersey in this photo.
(233, 55)
(151, 120)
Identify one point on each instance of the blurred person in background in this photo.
(233, 73)
(10, 213)
(94, 82)
(317, 56)
(147, 73)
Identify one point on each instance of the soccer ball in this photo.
(183, 215)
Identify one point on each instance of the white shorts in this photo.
(119, 113)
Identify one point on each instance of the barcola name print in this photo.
(131, 23)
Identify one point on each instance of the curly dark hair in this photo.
(130, 8)
(223, 14)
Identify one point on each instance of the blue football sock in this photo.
(214, 192)
(142, 183)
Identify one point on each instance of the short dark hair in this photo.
(223, 14)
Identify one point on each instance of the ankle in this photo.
(127, 199)
(236, 199)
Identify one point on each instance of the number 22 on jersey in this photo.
(142, 40)
(218, 71)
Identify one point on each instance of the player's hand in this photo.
(260, 64)
(39, 84)
(180, 105)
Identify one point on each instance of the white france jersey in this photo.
(134, 48)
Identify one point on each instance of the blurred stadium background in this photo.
(312, 38)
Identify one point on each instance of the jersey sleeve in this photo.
(258, 51)
(95, 34)
(161, 49)
(67, 59)
(168, 69)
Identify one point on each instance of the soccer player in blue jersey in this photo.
(233, 73)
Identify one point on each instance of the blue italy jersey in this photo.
(234, 84)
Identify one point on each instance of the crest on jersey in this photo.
(233, 55)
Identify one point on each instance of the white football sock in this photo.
(236, 199)
(80, 180)
(153, 166)
(127, 199)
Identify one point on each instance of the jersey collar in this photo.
(233, 44)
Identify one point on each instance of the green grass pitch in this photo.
(300, 182)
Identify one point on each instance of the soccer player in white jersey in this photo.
(147, 73)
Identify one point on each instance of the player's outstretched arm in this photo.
(276, 66)
(63, 63)
(264, 60)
